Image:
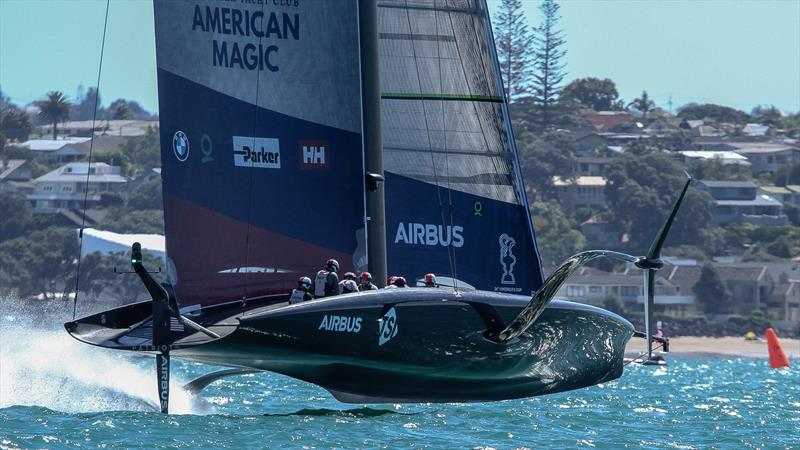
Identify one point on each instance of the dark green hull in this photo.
(424, 345)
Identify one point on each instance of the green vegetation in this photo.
(712, 291)
(54, 109)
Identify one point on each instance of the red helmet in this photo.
(390, 280)
(430, 279)
(332, 265)
(304, 283)
(366, 277)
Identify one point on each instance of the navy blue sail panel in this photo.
(455, 200)
(262, 160)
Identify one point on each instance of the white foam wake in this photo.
(47, 367)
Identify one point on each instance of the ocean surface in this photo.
(58, 393)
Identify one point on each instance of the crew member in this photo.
(301, 294)
(390, 282)
(349, 284)
(400, 282)
(430, 280)
(366, 282)
(326, 283)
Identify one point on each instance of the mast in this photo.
(373, 144)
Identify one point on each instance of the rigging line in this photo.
(451, 251)
(89, 167)
(252, 167)
(427, 128)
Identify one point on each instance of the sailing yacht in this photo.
(378, 134)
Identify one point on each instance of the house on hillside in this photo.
(614, 121)
(739, 202)
(592, 166)
(60, 150)
(784, 304)
(126, 128)
(594, 286)
(14, 173)
(63, 189)
(583, 191)
(725, 157)
(779, 193)
(755, 130)
(767, 157)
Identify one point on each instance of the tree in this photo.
(594, 93)
(766, 115)
(121, 112)
(613, 303)
(548, 69)
(147, 196)
(643, 104)
(787, 175)
(85, 106)
(712, 292)
(694, 111)
(15, 124)
(556, 237)
(16, 215)
(54, 109)
(120, 220)
(715, 169)
(641, 189)
(40, 262)
(545, 156)
(513, 43)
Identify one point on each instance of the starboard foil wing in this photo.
(260, 110)
(455, 202)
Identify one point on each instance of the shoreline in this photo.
(723, 347)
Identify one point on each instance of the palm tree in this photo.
(643, 104)
(54, 109)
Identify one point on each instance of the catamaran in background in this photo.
(377, 134)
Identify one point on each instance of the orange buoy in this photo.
(777, 358)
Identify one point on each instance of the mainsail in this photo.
(455, 202)
(260, 111)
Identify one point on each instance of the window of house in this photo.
(66, 188)
(595, 290)
(630, 291)
(575, 291)
(47, 188)
(769, 159)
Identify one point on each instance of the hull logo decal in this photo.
(180, 145)
(340, 324)
(388, 327)
(507, 259)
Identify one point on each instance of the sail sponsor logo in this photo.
(428, 234)
(314, 155)
(253, 25)
(340, 324)
(388, 327)
(263, 153)
(164, 380)
(180, 145)
(507, 262)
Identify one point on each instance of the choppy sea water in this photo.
(58, 393)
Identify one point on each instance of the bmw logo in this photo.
(180, 143)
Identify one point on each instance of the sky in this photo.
(735, 53)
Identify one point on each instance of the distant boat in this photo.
(379, 135)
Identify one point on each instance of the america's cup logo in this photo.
(507, 259)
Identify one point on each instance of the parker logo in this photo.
(257, 152)
(340, 324)
(388, 326)
(314, 155)
(428, 234)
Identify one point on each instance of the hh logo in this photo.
(388, 326)
(315, 155)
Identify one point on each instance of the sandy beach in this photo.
(688, 346)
